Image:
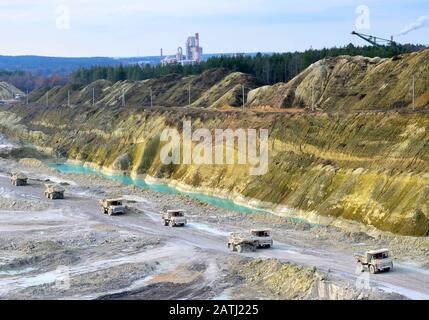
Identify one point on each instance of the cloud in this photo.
(421, 22)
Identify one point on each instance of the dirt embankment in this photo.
(334, 168)
(214, 88)
(366, 167)
(352, 83)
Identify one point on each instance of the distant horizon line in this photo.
(159, 56)
(205, 54)
(129, 57)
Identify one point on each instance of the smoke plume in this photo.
(420, 23)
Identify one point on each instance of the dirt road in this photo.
(159, 261)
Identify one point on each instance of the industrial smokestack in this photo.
(197, 40)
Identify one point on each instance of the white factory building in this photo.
(193, 54)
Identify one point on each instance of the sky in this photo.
(126, 28)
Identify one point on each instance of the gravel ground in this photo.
(69, 250)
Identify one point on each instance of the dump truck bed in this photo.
(238, 238)
(54, 188)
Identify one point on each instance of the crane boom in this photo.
(375, 41)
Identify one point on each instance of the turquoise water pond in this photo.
(127, 180)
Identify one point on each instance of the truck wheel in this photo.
(171, 224)
(165, 223)
(240, 249)
(372, 269)
(110, 213)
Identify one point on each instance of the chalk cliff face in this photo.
(352, 83)
(369, 167)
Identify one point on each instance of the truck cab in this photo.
(19, 179)
(112, 206)
(174, 218)
(375, 260)
(263, 237)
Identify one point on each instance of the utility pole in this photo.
(151, 98)
(244, 98)
(189, 93)
(312, 97)
(414, 92)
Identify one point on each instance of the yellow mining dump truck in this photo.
(174, 218)
(375, 260)
(112, 206)
(54, 192)
(242, 242)
(19, 179)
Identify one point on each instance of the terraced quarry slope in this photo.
(214, 88)
(370, 168)
(367, 167)
(353, 83)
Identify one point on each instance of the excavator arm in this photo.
(375, 41)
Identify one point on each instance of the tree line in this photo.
(26, 81)
(267, 68)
